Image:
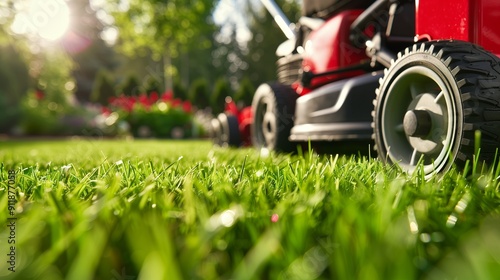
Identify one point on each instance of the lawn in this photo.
(110, 209)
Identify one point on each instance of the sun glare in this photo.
(49, 19)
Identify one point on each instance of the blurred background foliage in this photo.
(63, 60)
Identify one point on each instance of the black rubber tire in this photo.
(230, 133)
(273, 109)
(468, 79)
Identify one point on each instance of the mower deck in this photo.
(337, 111)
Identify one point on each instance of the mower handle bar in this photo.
(279, 17)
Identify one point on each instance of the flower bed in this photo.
(160, 116)
(154, 116)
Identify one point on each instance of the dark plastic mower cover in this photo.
(337, 111)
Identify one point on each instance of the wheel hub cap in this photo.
(417, 123)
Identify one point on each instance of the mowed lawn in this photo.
(157, 209)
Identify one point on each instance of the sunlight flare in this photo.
(48, 19)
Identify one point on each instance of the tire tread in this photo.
(477, 75)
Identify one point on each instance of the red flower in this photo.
(153, 97)
(143, 99)
(167, 96)
(39, 94)
(176, 102)
(187, 107)
(275, 218)
(122, 102)
(127, 103)
(105, 111)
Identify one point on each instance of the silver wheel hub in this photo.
(424, 124)
(269, 126)
(266, 119)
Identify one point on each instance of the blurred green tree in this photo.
(245, 92)
(85, 44)
(199, 93)
(6, 17)
(229, 55)
(222, 89)
(131, 86)
(103, 88)
(151, 84)
(166, 28)
(14, 84)
(54, 77)
(266, 37)
(179, 90)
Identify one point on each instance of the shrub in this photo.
(44, 117)
(155, 116)
(10, 113)
(40, 116)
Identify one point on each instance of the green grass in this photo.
(91, 209)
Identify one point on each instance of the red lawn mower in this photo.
(419, 77)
